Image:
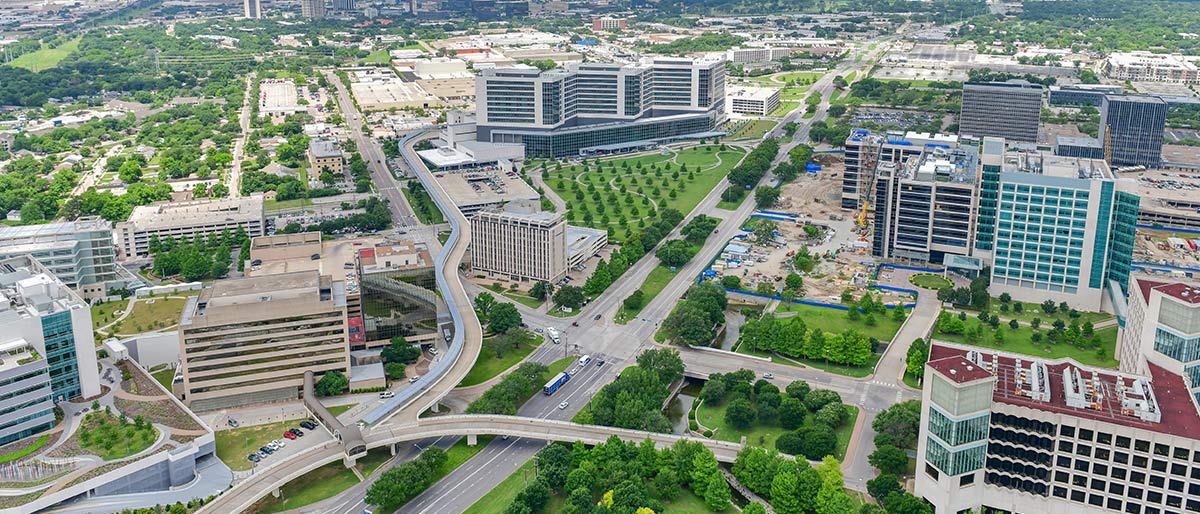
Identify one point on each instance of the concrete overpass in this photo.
(273, 477)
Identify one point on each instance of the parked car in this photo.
(289, 435)
(233, 423)
(297, 432)
(386, 394)
(253, 457)
(308, 425)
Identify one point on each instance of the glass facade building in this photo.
(1131, 128)
(957, 425)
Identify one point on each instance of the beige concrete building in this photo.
(520, 245)
(250, 340)
(324, 153)
(186, 219)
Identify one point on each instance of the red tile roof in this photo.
(958, 369)
(1182, 292)
(1179, 416)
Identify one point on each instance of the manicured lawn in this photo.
(164, 377)
(930, 281)
(658, 279)
(829, 367)
(713, 418)
(784, 108)
(314, 486)
(337, 410)
(1020, 341)
(911, 381)
(834, 320)
(377, 57)
(1033, 310)
(234, 445)
(442, 237)
(802, 76)
(151, 314)
(461, 452)
(111, 439)
(46, 58)
(104, 313)
(374, 458)
(41, 441)
(527, 301)
(277, 205)
(753, 129)
(621, 193)
(488, 365)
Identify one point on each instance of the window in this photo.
(930, 471)
(1102, 454)
(1079, 480)
(1099, 469)
(1103, 438)
(1174, 501)
(1179, 470)
(1065, 446)
(1067, 431)
(1137, 476)
(1098, 484)
(1157, 481)
(1141, 445)
(1078, 495)
(1116, 488)
(1161, 449)
(1140, 462)
(1154, 496)
(1085, 434)
(1135, 492)
(1181, 453)
(1123, 442)
(1061, 492)
(1133, 508)
(1118, 473)
(1114, 504)
(1159, 465)
(1096, 500)
(1081, 465)
(1121, 457)
(1065, 462)
(1175, 485)
(1061, 476)
(1083, 449)
(966, 480)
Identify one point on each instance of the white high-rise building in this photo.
(599, 106)
(520, 245)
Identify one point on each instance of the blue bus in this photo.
(556, 383)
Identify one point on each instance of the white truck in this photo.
(553, 333)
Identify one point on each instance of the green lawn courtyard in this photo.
(490, 363)
(1021, 341)
(622, 194)
(930, 281)
(148, 314)
(751, 129)
(834, 320)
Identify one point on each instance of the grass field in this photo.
(622, 193)
(46, 58)
(1021, 341)
(929, 281)
(164, 377)
(377, 57)
(784, 108)
(104, 313)
(801, 76)
(658, 279)
(37, 445)
(759, 435)
(753, 129)
(234, 445)
(338, 410)
(277, 205)
(1029, 311)
(834, 320)
(488, 365)
(111, 439)
(312, 487)
(162, 313)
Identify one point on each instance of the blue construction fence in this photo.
(1170, 229)
(1147, 266)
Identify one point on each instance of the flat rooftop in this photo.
(1048, 164)
(750, 93)
(1157, 403)
(168, 214)
(485, 187)
(51, 230)
(324, 148)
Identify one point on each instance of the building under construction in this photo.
(925, 205)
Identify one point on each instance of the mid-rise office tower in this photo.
(312, 9)
(1010, 110)
(80, 253)
(252, 9)
(47, 351)
(343, 5)
(925, 205)
(865, 151)
(1064, 229)
(596, 107)
(1131, 128)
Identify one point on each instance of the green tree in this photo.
(484, 302)
(716, 493)
(889, 459)
(503, 317)
(569, 296)
(765, 196)
(635, 301)
(740, 413)
(883, 485)
(791, 413)
(784, 492)
(332, 383)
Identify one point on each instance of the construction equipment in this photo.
(868, 169)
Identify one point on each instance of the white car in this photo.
(768, 376)
(562, 405)
(414, 379)
(386, 394)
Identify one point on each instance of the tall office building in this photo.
(865, 151)
(80, 253)
(991, 162)
(312, 9)
(252, 8)
(47, 351)
(520, 245)
(595, 107)
(925, 205)
(1001, 432)
(1064, 228)
(343, 5)
(250, 340)
(1131, 128)
(1010, 110)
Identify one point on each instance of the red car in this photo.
(289, 435)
